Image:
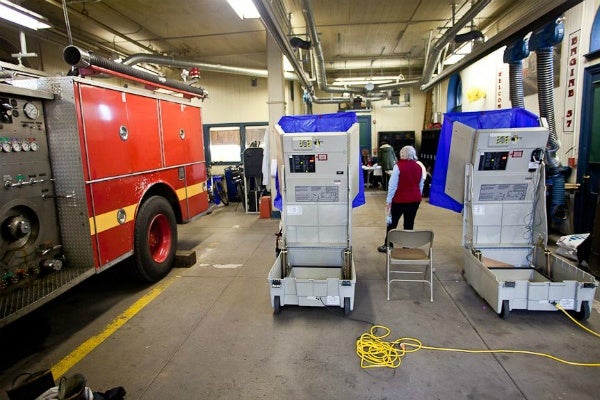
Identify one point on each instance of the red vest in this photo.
(408, 183)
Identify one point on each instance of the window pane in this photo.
(225, 144)
(255, 134)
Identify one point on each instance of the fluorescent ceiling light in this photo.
(19, 15)
(371, 78)
(244, 8)
(453, 59)
(287, 65)
(367, 80)
(459, 53)
(362, 82)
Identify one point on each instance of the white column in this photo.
(276, 102)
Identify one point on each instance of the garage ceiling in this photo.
(357, 38)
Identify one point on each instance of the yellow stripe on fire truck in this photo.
(192, 190)
(109, 220)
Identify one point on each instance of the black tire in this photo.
(155, 240)
(277, 305)
(505, 310)
(584, 312)
(347, 310)
(220, 187)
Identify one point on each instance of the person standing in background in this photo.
(366, 157)
(366, 162)
(405, 190)
(387, 159)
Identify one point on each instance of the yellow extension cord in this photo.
(375, 352)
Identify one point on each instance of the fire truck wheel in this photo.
(155, 239)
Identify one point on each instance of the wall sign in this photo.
(502, 99)
(571, 89)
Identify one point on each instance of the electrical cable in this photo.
(375, 352)
(329, 308)
(576, 322)
(529, 222)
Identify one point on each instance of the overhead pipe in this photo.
(267, 15)
(467, 37)
(179, 63)
(330, 100)
(4, 74)
(434, 55)
(342, 99)
(377, 88)
(525, 21)
(79, 58)
(319, 60)
(398, 85)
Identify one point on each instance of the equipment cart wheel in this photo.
(277, 305)
(155, 239)
(584, 313)
(346, 306)
(505, 310)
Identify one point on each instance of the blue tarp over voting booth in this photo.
(337, 122)
(508, 118)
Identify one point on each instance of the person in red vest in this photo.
(405, 190)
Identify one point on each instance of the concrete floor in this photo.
(212, 333)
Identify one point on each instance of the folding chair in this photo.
(410, 248)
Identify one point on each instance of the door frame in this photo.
(590, 75)
(365, 139)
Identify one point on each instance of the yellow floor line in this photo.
(86, 347)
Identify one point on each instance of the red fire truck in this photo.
(93, 173)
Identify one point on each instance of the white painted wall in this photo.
(385, 117)
(232, 98)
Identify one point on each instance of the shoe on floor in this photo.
(382, 248)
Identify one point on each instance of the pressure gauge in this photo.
(6, 147)
(16, 146)
(25, 145)
(31, 111)
(34, 146)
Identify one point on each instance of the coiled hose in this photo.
(517, 97)
(545, 83)
(79, 58)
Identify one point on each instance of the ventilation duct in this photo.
(349, 99)
(467, 37)
(267, 15)
(319, 60)
(542, 41)
(173, 62)
(513, 56)
(434, 55)
(79, 58)
(522, 19)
